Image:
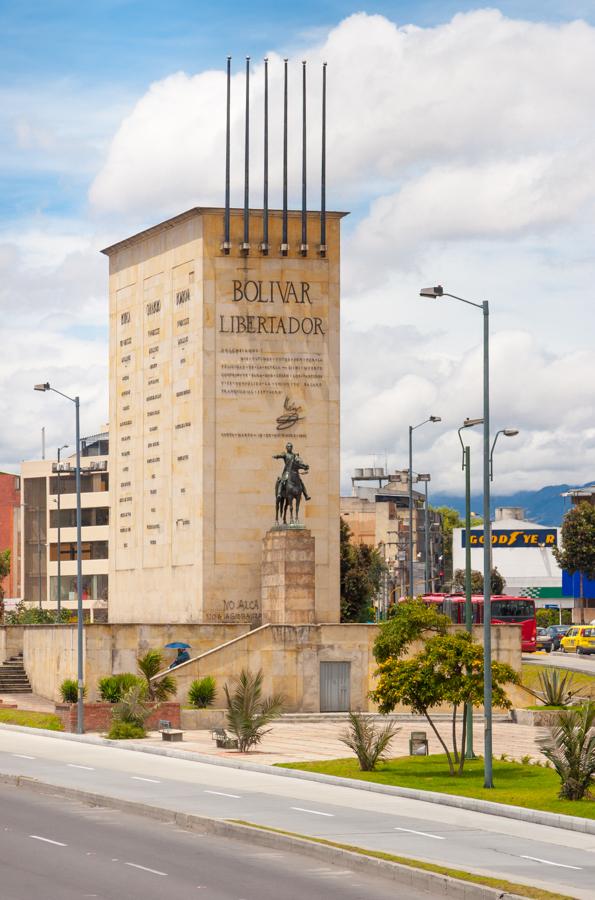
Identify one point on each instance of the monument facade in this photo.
(220, 355)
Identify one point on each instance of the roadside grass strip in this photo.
(31, 719)
(515, 784)
(500, 884)
(582, 682)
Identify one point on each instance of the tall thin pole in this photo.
(246, 245)
(427, 543)
(304, 246)
(284, 246)
(487, 554)
(265, 197)
(468, 604)
(43, 442)
(59, 532)
(411, 590)
(226, 238)
(80, 712)
(323, 169)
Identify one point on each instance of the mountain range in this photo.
(545, 506)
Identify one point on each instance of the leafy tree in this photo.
(450, 519)
(578, 544)
(450, 670)
(570, 748)
(362, 570)
(4, 572)
(497, 581)
(248, 711)
(368, 742)
(130, 713)
(547, 617)
(149, 666)
(409, 621)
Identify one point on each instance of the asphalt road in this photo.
(540, 855)
(563, 661)
(61, 850)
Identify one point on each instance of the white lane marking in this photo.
(38, 837)
(23, 756)
(221, 794)
(436, 837)
(548, 862)
(74, 766)
(145, 869)
(314, 812)
(139, 778)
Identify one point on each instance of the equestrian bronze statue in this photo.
(290, 487)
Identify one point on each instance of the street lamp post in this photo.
(426, 479)
(468, 423)
(435, 292)
(412, 428)
(80, 718)
(59, 607)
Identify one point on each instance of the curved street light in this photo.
(412, 428)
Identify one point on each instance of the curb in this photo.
(533, 816)
(432, 883)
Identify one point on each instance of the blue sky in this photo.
(463, 148)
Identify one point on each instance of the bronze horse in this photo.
(289, 492)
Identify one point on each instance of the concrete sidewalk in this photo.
(297, 742)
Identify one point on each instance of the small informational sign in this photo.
(525, 537)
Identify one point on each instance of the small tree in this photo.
(570, 748)
(362, 570)
(150, 665)
(408, 622)
(448, 670)
(547, 617)
(4, 573)
(497, 581)
(248, 711)
(578, 545)
(130, 714)
(368, 742)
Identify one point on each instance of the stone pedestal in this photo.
(288, 577)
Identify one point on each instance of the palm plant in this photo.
(132, 707)
(150, 665)
(368, 742)
(570, 748)
(555, 687)
(202, 692)
(248, 711)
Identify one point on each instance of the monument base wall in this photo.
(288, 577)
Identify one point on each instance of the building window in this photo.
(97, 481)
(95, 587)
(89, 549)
(90, 516)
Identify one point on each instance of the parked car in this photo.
(544, 640)
(557, 632)
(579, 639)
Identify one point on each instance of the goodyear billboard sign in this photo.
(525, 537)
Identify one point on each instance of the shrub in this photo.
(556, 688)
(248, 711)
(150, 665)
(112, 687)
(132, 707)
(121, 731)
(202, 692)
(69, 691)
(25, 614)
(368, 742)
(570, 748)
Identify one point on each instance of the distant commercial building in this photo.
(522, 553)
(10, 533)
(49, 522)
(378, 515)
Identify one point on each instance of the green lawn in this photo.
(31, 719)
(534, 787)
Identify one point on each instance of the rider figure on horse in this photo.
(289, 458)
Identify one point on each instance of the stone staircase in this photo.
(13, 678)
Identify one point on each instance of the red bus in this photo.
(505, 611)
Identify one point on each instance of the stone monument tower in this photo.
(224, 345)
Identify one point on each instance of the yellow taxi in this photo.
(579, 639)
